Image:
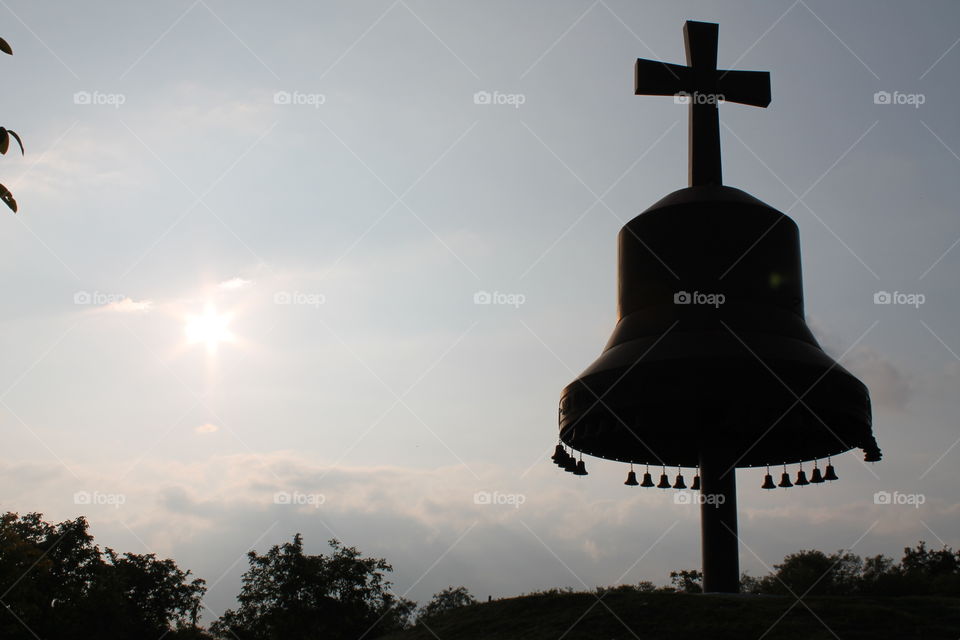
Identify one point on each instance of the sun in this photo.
(210, 328)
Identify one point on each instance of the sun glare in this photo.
(210, 328)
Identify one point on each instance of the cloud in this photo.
(207, 427)
(129, 305)
(209, 511)
(889, 386)
(233, 284)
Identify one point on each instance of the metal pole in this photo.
(718, 523)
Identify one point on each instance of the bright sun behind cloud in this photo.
(210, 328)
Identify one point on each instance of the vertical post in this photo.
(704, 166)
(700, 40)
(718, 522)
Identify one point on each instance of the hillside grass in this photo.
(626, 615)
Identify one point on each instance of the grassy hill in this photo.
(677, 616)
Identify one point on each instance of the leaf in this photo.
(6, 48)
(7, 198)
(19, 141)
(4, 141)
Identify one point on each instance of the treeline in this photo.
(55, 583)
(921, 571)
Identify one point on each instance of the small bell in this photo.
(695, 485)
(768, 481)
(647, 479)
(830, 474)
(581, 469)
(816, 477)
(664, 480)
(631, 478)
(801, 478)
(679, 483)
(785, 479)
(570, 464)
(558, 454)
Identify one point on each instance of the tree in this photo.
(5, 135)
(813, 572)
(687, 581)
(927, 571)
(58, 584)
(446, 600)
(290, 595)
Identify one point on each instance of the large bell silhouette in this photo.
(631, 479)
(711, 354)
(711, 348)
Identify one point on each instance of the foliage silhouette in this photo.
(288, 594)
(5, 135)
(687, 580)
(58, 584)
(920, 572)
(447, 600)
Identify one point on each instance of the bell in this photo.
(730, 350)
(801, 478)
(768, 482)
(570, 464)
(631, 479)
(581, 469)
(695, 485)
(830, 474)
(679, 483)
(558, 453)
(816, 477)
(647, 480)
(664, 481)
(785, 480)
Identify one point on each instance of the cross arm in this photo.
(745, 87)
(661, 78)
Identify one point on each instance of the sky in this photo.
(241, 294)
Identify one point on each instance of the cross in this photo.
(703, 85)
